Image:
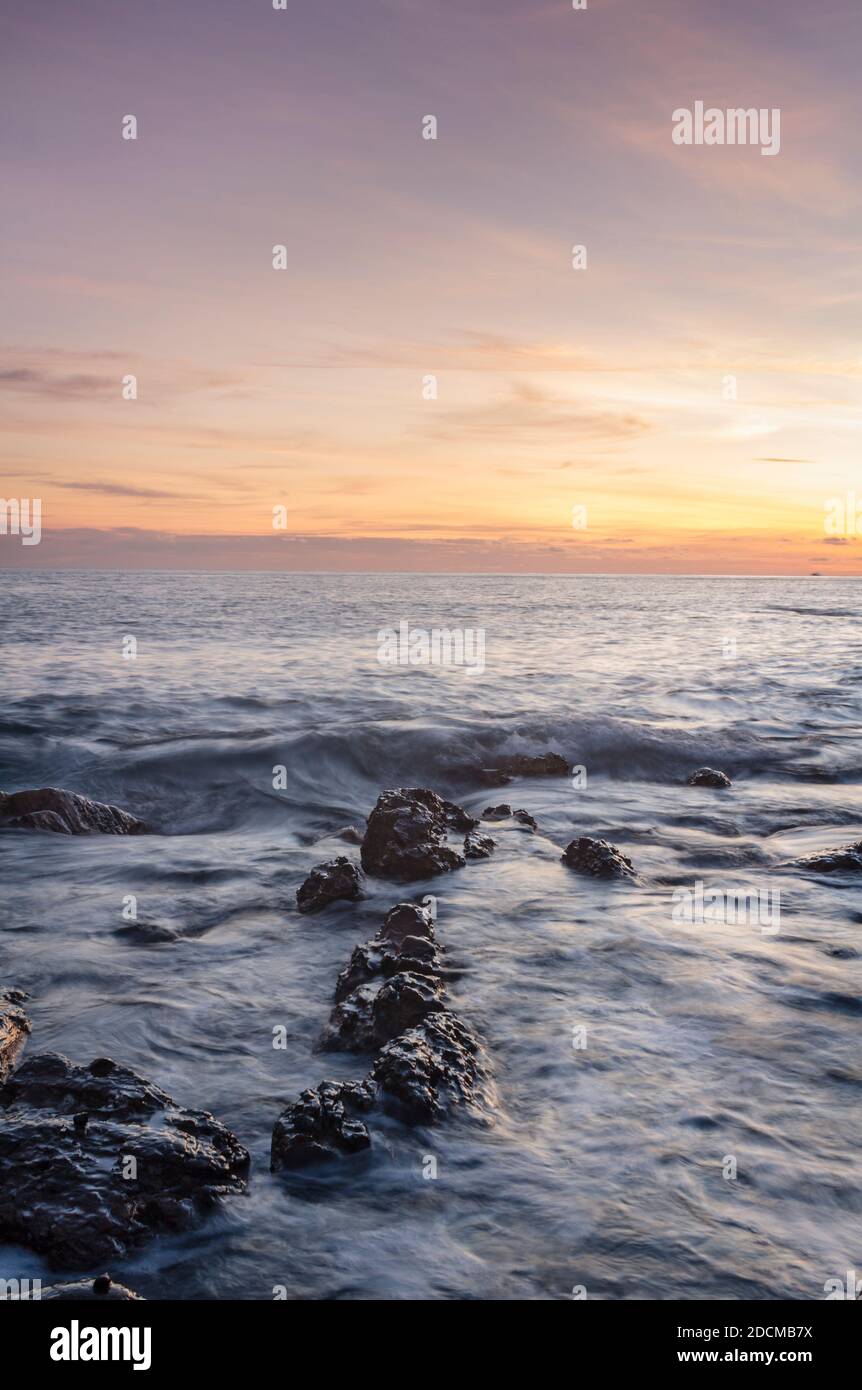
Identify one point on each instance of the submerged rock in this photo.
(95, 1160)
(525, 819)
(339, 878)
(847, 859)
(501, 812)
(598, 858)
(101, 1289)
(708, 777)
(322, 1124)
(14, 1027)
(478, 846)
(407, 835)
(432, 1069)
(66, 813)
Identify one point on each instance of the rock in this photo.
(407, 835)
(102, 1289)
(501, 812)
(433, 1068)
(66, 813)
(708, 777)
(350, 834)
(407, 919)
(371, 1015)
(66, 1136)
(146, 933)
(322, 1124)
(339, 878)
(477, 845)
(847, 859)
(14, 1027)
(598, 858)
(525, 819)
(382, 957)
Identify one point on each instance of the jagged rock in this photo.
(371, 1016)
(708, 777)
(66, 813)
(14, 1027)
(501, 812)
(339, 878)
(847, 859)
(380, 958)
(102, 1289)
(66, 1136)
(407, 835)
(598, 858)
(433, 1068)
(407, 919)
(322, 1124)
(478, 846)
(525, 819)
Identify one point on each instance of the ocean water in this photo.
(704, 1041)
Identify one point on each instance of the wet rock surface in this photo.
(14, 1027)
(327, 883)
(67, 1135)
(524, 818)
(846, 859)
(511, 765)
(407, 835)
(66, 813)
(431, 1069)
(390, 999)
(322, 1124)
(598, 858)
(478, 846)
(708, 777)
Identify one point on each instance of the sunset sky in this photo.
(605, 388)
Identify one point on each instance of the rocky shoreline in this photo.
(95, 1160)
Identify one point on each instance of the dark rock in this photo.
(525, 819)
(371, 1016)
(14, 1027)
(322, 1124)
(102, 1289)
(598, 858)
(407, 919)
(501, 812)
(847, 859)
(489, 777)
(339, 878)
(66, 813)
(146, 933)
(351, 1023)
(478, 846)
(433, 1068)
(62, 1185)
(406, 837)
(708, 777)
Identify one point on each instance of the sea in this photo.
(679, 1094)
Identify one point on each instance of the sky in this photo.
(686, 402)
